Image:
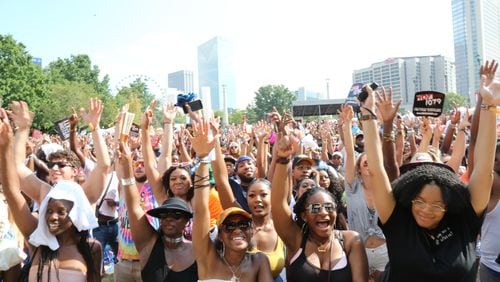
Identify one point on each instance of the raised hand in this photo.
(73, 119)
(489, 87)
(455, 116)
(20, 114)
(345, 114)
(93, 116)
(202, 141)
(262, 130)
(464, 123)
(385, 106)
(6, 133)
(147, 117)
(169, 112)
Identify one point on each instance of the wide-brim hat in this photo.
(232, 211)
(171, 204)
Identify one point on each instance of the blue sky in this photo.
(295, 43)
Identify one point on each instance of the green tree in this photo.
(138, 97)
(452, 99)
(20, 79)
(266, 98)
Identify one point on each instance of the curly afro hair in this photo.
(165, 180)
(455, 194)
(300, 206)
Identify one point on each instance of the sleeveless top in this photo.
(72, 275)
(156, 268)
(301, 270)
(490, 244)
(276, 257)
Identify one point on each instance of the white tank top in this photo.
(490, 244)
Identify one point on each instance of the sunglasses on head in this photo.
(173, 214)
(243, 225)
(59, 164)
(316, 208)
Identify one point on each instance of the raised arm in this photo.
(388, 112)
(221, 176)
(286, 228)
(262, 132)
(450, 130)
(426, 131)
(152, 173)
(96, 183)
(202, 143)
(35, 188)
(26, 222)
(484, 155)
(459, 144)
(73, 143)
(382, 192)
(345, 115)
(142, 232)
(165, 159)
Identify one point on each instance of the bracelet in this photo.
(283, 160)
(491, 108)
(204, 160)
(372, 114)
(165, 123)
(388, 137)
(367, 117)
(201, 186)
(91, 126)
(127, 181)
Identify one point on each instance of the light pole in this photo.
(226, 118)
(327, 88)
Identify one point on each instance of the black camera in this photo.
(498, 259)
(363, 94)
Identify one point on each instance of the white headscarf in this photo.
(82, 215)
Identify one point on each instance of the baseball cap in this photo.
(171, 204)
(299, 158)
(232, 211)
(230, 159)
(241, 159)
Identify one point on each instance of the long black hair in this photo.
(47, 257)
(165, 180)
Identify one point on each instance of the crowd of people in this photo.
(372, 195)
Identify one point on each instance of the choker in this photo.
(173, 240)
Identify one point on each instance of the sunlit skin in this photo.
(363, 166)
(172, 227)
(57, 174)
(238, 239)
(301, 170)
(180, 182)
(57, 216)
(425, 217)
(320, 224)
(139, 170)
(234, 149)
(259, 199)
(230, 168)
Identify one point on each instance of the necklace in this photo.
(234, 278)
(173, 240)
(322, 248)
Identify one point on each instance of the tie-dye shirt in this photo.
(126, 247)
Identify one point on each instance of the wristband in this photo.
(367, 117)
(491, 108)
(205, 160)
(282, 160)
(127, 181)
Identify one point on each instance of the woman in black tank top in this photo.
(315, 250)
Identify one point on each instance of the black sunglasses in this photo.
(59, 164)
(243, 225)
(173, 214)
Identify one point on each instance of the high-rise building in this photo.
(476, 32)
(181, 80)
(303, 94)
(408, 75)
(215, 70)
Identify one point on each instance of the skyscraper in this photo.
(408, 75)
(215, 70)
(181, 80)
(476, 32)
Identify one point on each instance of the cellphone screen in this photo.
(195, 106)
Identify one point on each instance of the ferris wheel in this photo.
(152, 85)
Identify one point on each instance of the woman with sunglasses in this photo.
(258, 197)
(315, 250)
(164, 254)
(229, 259)
(431, 220)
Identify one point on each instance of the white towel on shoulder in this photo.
(82, 215)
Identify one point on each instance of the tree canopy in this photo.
(266, 98)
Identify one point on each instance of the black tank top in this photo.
(156, 269)
(302, 270)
